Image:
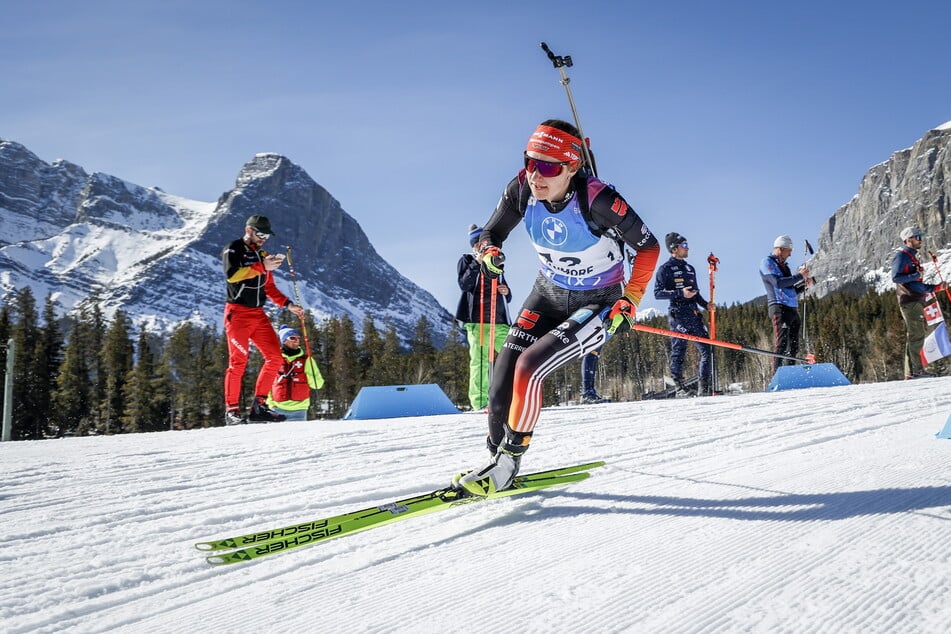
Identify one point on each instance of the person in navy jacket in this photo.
(912, 296)
(474, 312)
(676, 282)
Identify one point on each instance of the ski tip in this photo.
(228, 558)
(591, 465)
(221, 544)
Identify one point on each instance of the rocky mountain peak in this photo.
(913, 187)
(158, 256)
(265, 166)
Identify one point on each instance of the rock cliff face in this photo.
(158, 257)
(913, 187)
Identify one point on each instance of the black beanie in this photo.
(673, 240)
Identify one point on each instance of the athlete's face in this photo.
(552, 187)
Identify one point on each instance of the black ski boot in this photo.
(261, 413)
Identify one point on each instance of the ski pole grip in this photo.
(557, 60)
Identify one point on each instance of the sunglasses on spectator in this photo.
(293, 339)
(683, 245)
(544, 168)
(261, 235)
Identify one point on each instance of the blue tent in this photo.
(394, 401)
(797, 377)
(946, 432)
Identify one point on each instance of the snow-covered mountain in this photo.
(913, 187)
(158, 256)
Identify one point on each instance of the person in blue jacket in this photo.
(676, 282)
(912, 293)
(782, 297)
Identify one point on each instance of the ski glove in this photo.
(493, 261)
(621, 316)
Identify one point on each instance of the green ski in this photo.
(249, 539)
(260, 544)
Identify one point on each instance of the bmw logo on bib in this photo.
(554, 231)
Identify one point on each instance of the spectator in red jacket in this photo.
(248, 271)
(290, 394)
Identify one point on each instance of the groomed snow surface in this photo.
(820, 510)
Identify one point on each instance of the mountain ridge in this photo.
(912, 187)
(75, 235)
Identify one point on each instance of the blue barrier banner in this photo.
(946, 432)
(798, 377)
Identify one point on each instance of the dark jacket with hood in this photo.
(470, 283)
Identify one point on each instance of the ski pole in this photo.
(805, 330)
(482, 387)
(713, 260)
(495, 291)
(934, 258)
(303, 325)
(561, 62)
(481, 310)
(715, 342)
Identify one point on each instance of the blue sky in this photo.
(729, 122)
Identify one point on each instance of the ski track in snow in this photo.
(824, 510)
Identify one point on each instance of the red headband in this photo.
(556, 144)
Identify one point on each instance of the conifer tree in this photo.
(183, 362)
(47, 358)
(70, 396)
(142, 394)
(422, 353)
(214, 363)
(25, 382)
(91, 339)
(370, 350)
(344, 368)
(453, 357)
(5, 332)
(116, 362)
(389, 366)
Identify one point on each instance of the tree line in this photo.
(84, 374)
